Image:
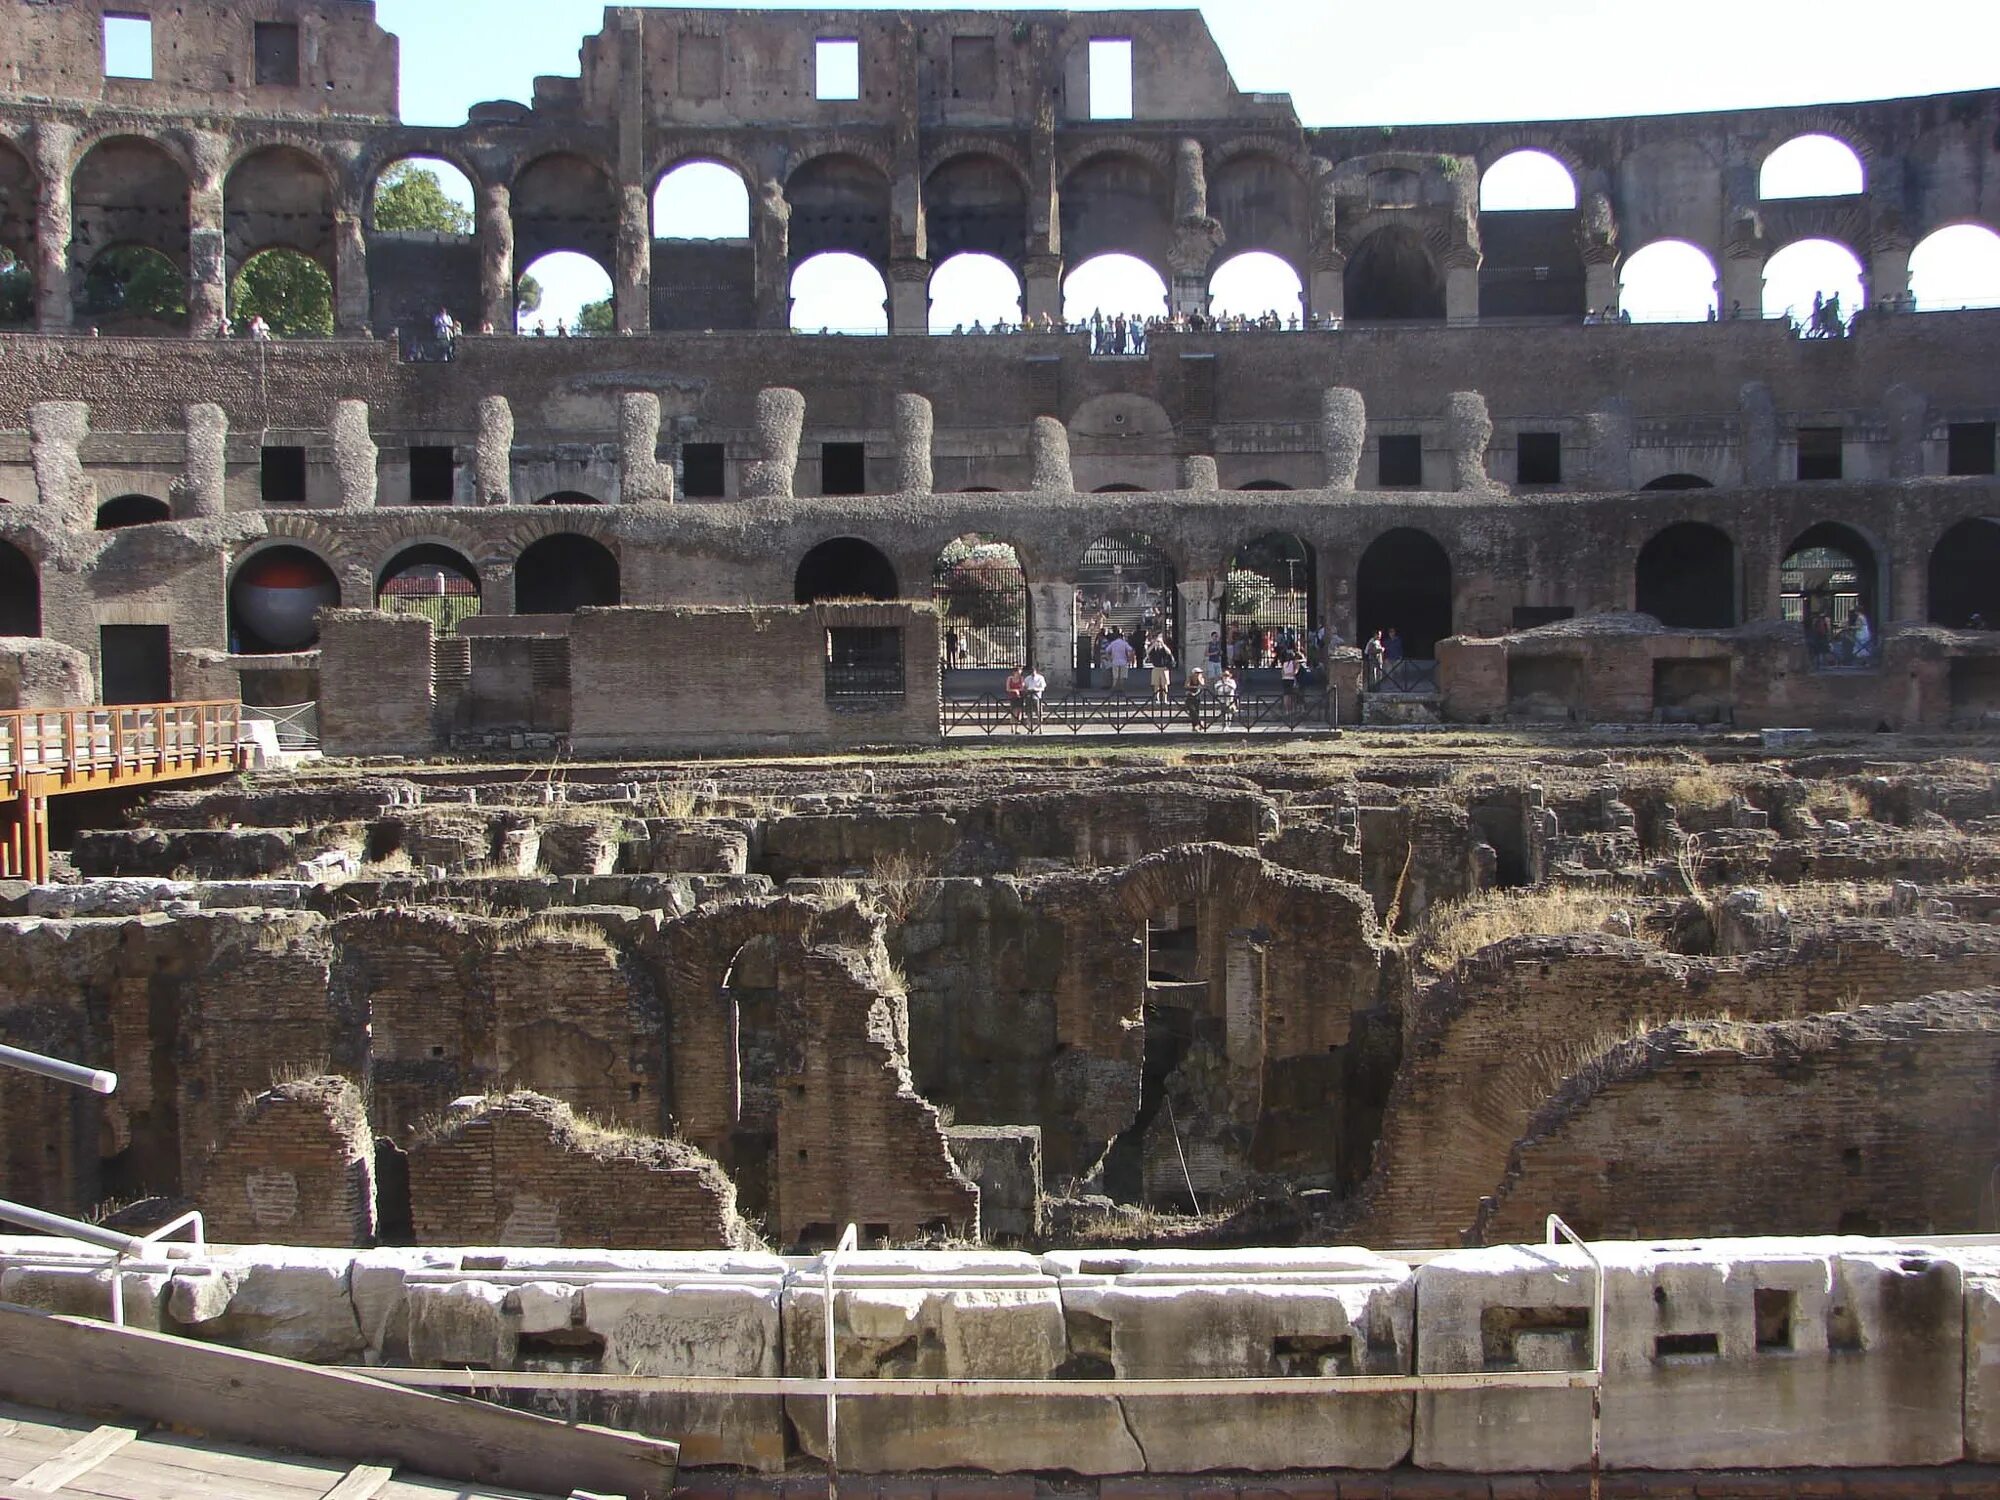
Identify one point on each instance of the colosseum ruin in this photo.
(549, 833)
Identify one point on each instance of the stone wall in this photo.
(296, 1168)
(376, 693)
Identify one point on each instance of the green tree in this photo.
(17, 289)
(411, 197)
(528, 295)
(595, 317)
(289, 291)
(131, 283)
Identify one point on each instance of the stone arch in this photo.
(1254, 283)
(564, 200)
(569, 497)
(1812, 263)
(1270, 590)
(1404, 583)
(18, 194)
(1669, 281)
(20, 592)
(840, 202)
(703, 163)
(1519, 166)
(563, 572)
(431, 579)
(982, 596)
(976, 202)
(1831, 569)
(1686, 577)
(1782, 163)
(279, 197)
(1976, 282)
(132, 289)
(1531, 260)
(1263, 202)
(839, 292)
(276, 590)
(1679, 482)
(428, 161)
(1127, 582)
(128, 190)
(845, 567)
(1391, 275)
(714, 150)
(971, 281)
(1117, 202)
(1964, 575)
(132, 510)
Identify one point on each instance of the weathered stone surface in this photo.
(56, 434)
(493, 452)
(202, 489)
(642, 478)
(462, 1323)
(1469, 429)
(1048, 448)
(780, 420)
(291, 1303)
(1343, 435)
(915, 426)
(354, 455)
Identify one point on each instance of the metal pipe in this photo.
(97, 1080)
(91, 1234)
(849, 1240)
(1556, 1227)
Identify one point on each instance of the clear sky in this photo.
(1348, 63)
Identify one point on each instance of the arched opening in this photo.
(1390, 278)
(20, 593)
(1101, 291)
(569, 497)
(430, 580)
(1531, 263)
(564, 201)
(1810, 273)
(1686, 577)
(976, 205)
(1257, 285)
(982, 595)
(564, 294)
(280, 198)
(1678, 482)
(1811, 166)
(701, 200)
(564, 573)
(133, 290)
(1263, 204)
(1264, 484)
(1956, 267)
(1670, 281)
(974, 294)
(1827, 579)
(1116, 204)
(844, 568)
(839, 202)
(289, 291)
(1404, 584)
(1125, 589)
(421, 195)
(275, 600)
(17, 238)
(1526, 182)
(839, 293)
(1964, 582)
(132, 510)
(1120, 488)
(1269, 602)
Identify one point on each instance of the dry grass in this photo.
(898, 882)
(549, 927)
(1704, 790)
(1841, 800)
(1456, 930)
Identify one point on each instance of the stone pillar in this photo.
(201, 489)
(1326, 287)
(55, 148)
(1469, 429)
(1053, 608)
(1887, 278)
(1343, 436)
(1759, 440)
(915, 427)
(351, 312)
(771, 241)
(56, 433)
(1043, 297)
(493, 454)
(779, 424)
(498, 298)
(354, 455)
(1461, 293)
(1048, 446)
(1197, 236)
(1199, 476)
(1908, 413)
(1600, 286)
(642, 478)
(1201, 617)
(1610, 431)
(1743, 282)
(909, 295)
(208, 246)
(632, 293)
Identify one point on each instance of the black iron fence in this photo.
(995, 714)
(1405, 676)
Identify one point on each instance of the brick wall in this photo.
(296, 1168)
(376, 696)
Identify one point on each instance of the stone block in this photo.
(85, 1292)
(460, 1323)
(288, 1302)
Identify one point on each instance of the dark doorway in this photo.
(137, 663)
(1829, 572)
(131, 510)
(1686, 578)
(1401, 459)
(1965, 575)
(20, 593)
(1268, 601)
(1678, 482)
(1969, 448)
(282, 480)
(429, 580)
(843, 469)
(1820, 452)
(702, 470)
(433, 474)
(1390, 277)
(1404, 584)
(844, 568)
(564, 573)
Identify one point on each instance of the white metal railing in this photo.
(296, 724)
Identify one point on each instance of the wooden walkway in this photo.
(52, 752)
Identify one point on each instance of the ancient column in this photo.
(1886, 280)
(1470, 430)
(493, 454)
(351, 311)
(354, 455)
(1048, 446)
(1609, 431)
(915, 427)
(1042, 293)
(632, 297)
(1461, 260)
(497, 294)
(771, 237)
(1343, 435)
(909, 295)
(778, 425)
(1597, 230)
(1908, 412)
(1743, 265)
(56, 433)
(208, 249)
(1042, 268)
(1198, 474)
(1197, 236)
(642, 478)
(201, 489)
(55, 150)
(1326, 283)
(1759, 441)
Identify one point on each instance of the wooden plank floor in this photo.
(167, 1466)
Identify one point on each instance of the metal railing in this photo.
(1405, 675)
(996, 714)
(297, 724)
(131, 738)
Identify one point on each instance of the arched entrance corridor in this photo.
(1124, 584)
(1827, 586)
(844, 568)
(1404, 584)
(1686, 578)
(564, 573)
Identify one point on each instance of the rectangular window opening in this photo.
(433, 475)
(128, 45)
(283, 481)
(1686, 1346)
(277, 54)
(1774, 1317)
(702, 472)
(1969, 448)
(864, 667)
(843, 469)
(1402, 456)
(837, 68)
(137, 663)
(1819, 452)
(975, 68)
(1538, 458)
(1110, 78)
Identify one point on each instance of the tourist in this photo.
(1225, 698)
(541, 329)
(260, 331)
(1819, 639)
(1160, 657)
(1121, 658)
(1017, 686)
(1860, 636)
(1195, 683)
(1392, 648)
(1212, 658)
(1371, 662)
(1033, 685)
(1288, 672)
(952, 647)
